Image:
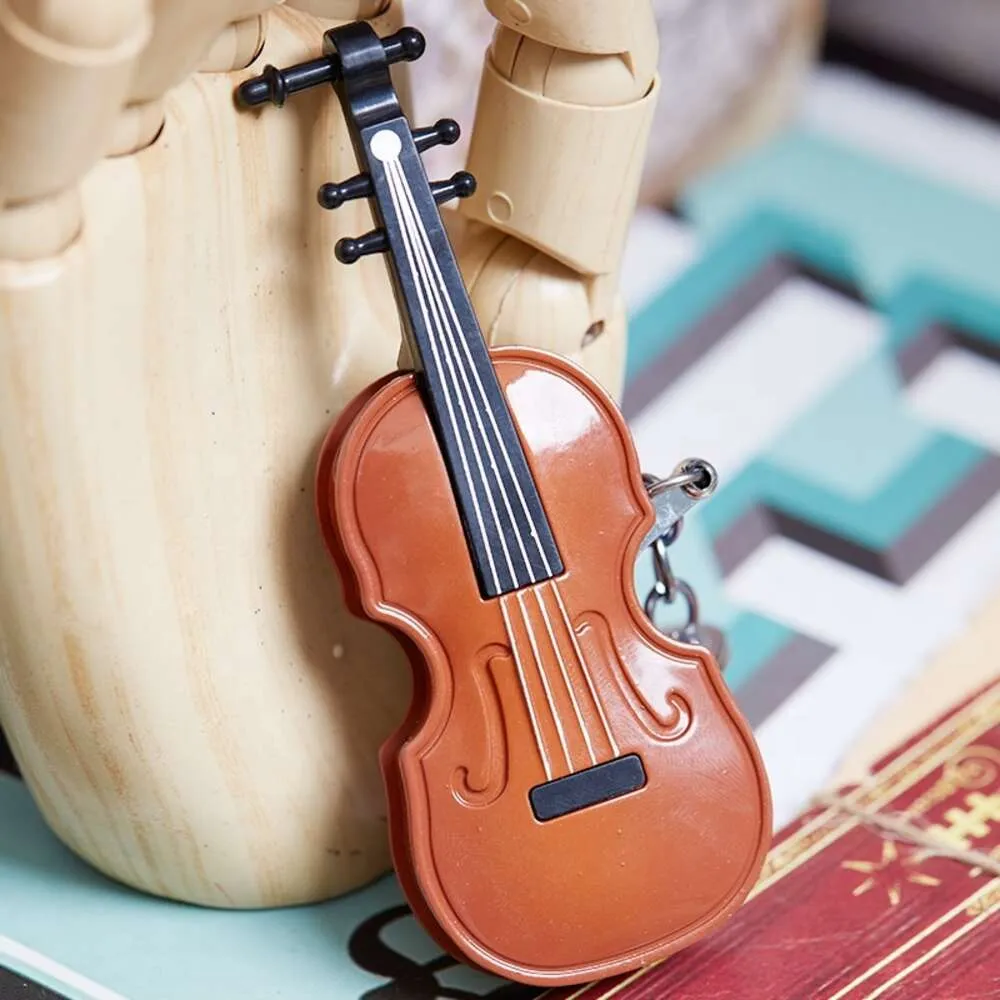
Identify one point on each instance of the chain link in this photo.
(699, 479)
(666, 585)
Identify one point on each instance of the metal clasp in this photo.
(673, 497)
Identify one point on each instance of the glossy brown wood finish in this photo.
(537, 684)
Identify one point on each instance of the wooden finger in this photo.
(64, 74)
(342, 10)
(522, 295)
(184, 32)
(235, 47)
(579, 25)
(558, 147)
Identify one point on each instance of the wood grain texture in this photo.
(193, 708)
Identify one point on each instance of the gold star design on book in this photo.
(890, 872)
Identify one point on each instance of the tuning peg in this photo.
(350, 249)
(461, 185)
(443, 132)
(275, 84)
(334, 195)
(405, 45)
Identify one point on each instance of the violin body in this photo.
(572, 793)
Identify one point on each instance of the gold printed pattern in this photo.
(973, 769)
(985, 903)
(889, 872)
(964, 825)
(949, 740)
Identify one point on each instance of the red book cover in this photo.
(848, 910)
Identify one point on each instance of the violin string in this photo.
(457, 326)
(545, 681)
(567, 680)
(452, 332)
(529, 702)
(393, 175)
(570, 686)
(584, 669)
(421, 256)
(424, 262)
(399, 193)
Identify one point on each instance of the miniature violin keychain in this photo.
(573, 794)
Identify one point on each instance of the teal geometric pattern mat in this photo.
(832, 342)
(859, 475)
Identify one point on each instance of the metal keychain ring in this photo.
(695, 476)
(680, 587)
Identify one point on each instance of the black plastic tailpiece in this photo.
(577, 791)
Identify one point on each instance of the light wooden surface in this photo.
(193, 709)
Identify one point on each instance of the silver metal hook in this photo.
(692, 481)
(695, 476)
(672, 497)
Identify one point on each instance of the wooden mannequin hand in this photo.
(192, 707)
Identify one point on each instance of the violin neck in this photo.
(509, 537)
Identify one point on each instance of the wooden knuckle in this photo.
(341, 10)
(562, 177)
(604, 349)
(516, 288)
(76, 27)
(570, 77)
(579, 25)
(184, 32)
(524, 296)
(61, 101)
(236, 47)
(37, 231)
